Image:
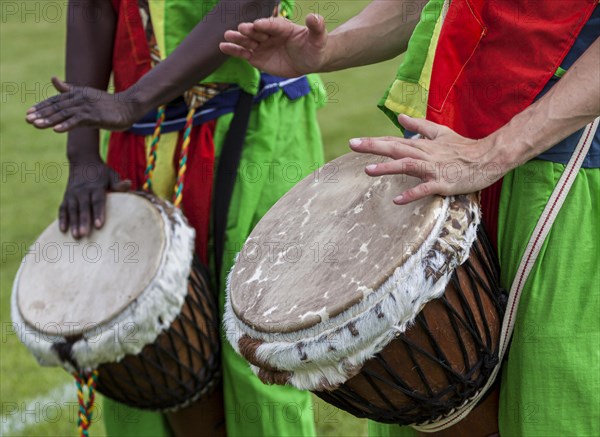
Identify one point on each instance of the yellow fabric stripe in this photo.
(157, 12)
(164, 177)
(414, 95)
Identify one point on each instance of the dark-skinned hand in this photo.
(78, 106)
(84, 202)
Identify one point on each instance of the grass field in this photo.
(37, 401)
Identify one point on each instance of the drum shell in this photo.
(183, 363)
(442, 360)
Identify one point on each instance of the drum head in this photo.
(326, 245)
(72, 286)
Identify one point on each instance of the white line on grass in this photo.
(54, 406)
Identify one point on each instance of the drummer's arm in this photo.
(571, 104)
(198, 55)
(90, 37)
(195, 58)
(91, 28)
(380, 32)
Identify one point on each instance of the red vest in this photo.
(492, 60)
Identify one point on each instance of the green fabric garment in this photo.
(283, 145)
(409, 92)
(550, 384)
(173, 20)
(384, 430)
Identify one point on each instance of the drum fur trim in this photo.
(149, 315)
(331, 352)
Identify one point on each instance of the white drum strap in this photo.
(532, 251)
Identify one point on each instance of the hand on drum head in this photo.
(78, 106)
(278, 46)
(85, 197)
(446, 162)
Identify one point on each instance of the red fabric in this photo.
(492, 59)
(127, 152)
(131, 55)
(490, 207)
(197, 188)
(127, 155)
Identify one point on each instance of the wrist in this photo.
(328, 58)
(136, 102)
(83, 146)
(498, 153)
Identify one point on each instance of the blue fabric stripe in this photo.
(562, 152)
(219, 105)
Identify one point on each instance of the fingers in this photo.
(410, 167)
(98, 204)
(316, 25)
(427, 128)
(66, 93)
(421, 191)
(273, 26)
(122, 186)
(407, 166)
(84, 225)
(240, 43)
(60, 86)
(116, 184)
(63, 216)
(73, 211)
(392, 147)
(54, 118)
(241, 40)
(234, 50)
(71, 123)
(49, 107)
(248, 30)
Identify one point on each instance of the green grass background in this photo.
(33, 176)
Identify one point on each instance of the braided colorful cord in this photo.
(160, 118)
(177, 195)
(85, 379)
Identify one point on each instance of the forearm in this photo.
(571, 104)
(380, 32)
(198, 55)
(90, 37)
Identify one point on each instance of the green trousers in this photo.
(283, 145)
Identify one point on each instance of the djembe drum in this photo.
(130, 303)
(392, 313)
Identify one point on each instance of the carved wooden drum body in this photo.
(388, 312)
(131, 301)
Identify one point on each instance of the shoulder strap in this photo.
(226, 176)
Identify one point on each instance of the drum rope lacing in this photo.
(159, 356)
(462, 385)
